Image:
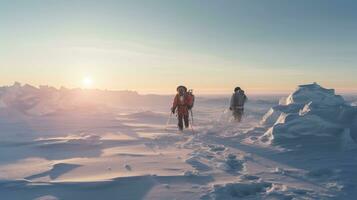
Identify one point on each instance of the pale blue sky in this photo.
(151, 46)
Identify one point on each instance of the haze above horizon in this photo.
(151, 47)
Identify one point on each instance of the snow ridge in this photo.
(310, 111)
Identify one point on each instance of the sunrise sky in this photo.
(152, 46)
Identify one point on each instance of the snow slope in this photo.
(51, 149)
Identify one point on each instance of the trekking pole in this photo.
(168, 121)
(193, 131)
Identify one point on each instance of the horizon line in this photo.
(161, 92)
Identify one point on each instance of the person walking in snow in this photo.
(183, 103)
(237, 103)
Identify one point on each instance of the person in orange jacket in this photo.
(183, 102)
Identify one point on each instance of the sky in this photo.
(153, 46)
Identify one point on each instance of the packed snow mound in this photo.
(310, 111)
(305, 95)
(314, 93)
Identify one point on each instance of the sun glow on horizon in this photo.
(87, 82)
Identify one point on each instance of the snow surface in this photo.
(311, 111)
(91, 144)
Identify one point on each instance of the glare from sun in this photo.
(87, 82)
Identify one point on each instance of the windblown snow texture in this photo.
(92, 144)
(309, 112)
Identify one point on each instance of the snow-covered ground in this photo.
(84, 144)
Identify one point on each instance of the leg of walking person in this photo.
(240, 114)
(186, 119)
(180, 122)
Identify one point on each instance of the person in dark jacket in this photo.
(237, 103)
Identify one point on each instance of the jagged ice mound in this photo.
(310, 112)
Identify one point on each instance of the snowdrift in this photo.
(311, 113)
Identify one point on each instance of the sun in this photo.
(87, 82)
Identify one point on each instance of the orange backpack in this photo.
(190, 99)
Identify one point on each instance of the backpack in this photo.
(239, 99)
(190, 99)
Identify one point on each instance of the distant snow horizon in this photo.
(166, 93)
